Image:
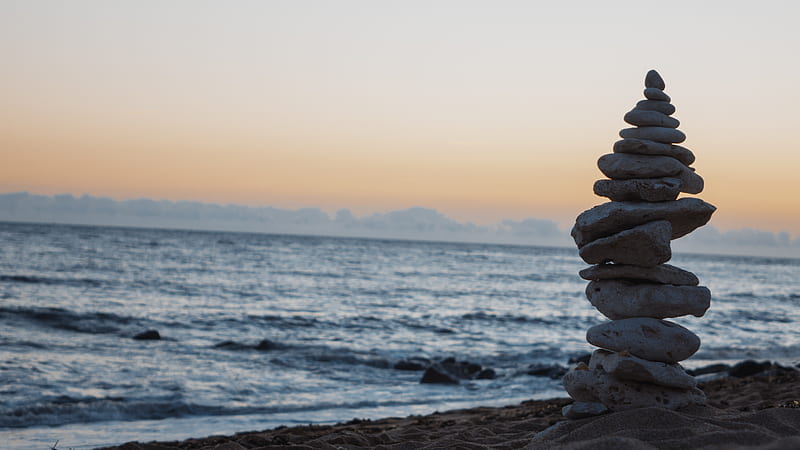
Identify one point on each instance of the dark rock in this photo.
(149, 335)
(652, 93)
(437, 375)
(749, 367)
(266, 345)
(486, 374)
(713, 368)
(654, 80)
(583, 358)
(655, 105)
(552, 371)
(231, 345)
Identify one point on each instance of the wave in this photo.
(32, 279)
(64, 319)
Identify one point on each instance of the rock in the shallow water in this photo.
(713, 368)
(624, 166)
(413, 364)
(486, 374)
(644, 118)
(647, 338)
(652, 93)
(646, 147)
(609, 218)
(646, 189)
(266, 345)
(553, 371)
(748, 367)
(656, 105)
(621, 299)
(149, 335)
(645, 245)
(654, 80)
(658, 134)
(582, 410)
(597, 386)
(662, 273)
(437, 375)
(628, 367)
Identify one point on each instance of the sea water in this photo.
(263, 330)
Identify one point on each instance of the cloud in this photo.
(413, 223)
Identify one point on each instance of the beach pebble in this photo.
(644, 189)
(662, 273)
(623, 166)
(622, 299)
(646, 147)
(645, 118)
(658, 134)
(618, 394)
(647, 338)
(628, 367)
(655, 105)
(644, 245)
(652, 93)
(582, 410)
(685, 215)
(654, 80)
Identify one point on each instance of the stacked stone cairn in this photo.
(628, 241)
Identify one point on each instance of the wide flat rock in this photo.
(647, 147)
(656, 105)
(628, 367)
(622, 299)
(647, 338)
(644, 189)
(658, 134)
(662, 273)
(624, 166)
(645, 118)
(597, 386)
(582, 410)
(644, 245)
(685, 215)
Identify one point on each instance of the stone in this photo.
(582, 410)
(644, 118)
(597, 386)
(713, 368)
(628, 367)
(646, 147)
(622, 299)
(553, 371)
(684, 214)
(437, 375)
(647, 338)
(662, 273)
(652, 93)
(644, 189)
(654, 80)
(644, 245)
(149, 335)
(658, 134)
(656, 105)
(623, 166)
(748, 368)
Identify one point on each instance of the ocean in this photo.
(262, 330)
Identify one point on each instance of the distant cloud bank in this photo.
(413, 223)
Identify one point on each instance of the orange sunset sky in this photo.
(481, 110)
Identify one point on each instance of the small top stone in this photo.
(654, 80)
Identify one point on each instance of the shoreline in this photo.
(762, 410)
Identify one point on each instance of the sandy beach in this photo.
(760, 411)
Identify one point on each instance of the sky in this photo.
(481, 110)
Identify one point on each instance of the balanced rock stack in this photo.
(628, 240)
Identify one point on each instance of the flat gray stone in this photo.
(652, 93)
(685, 215)
(623, 299)
(645, 118)
(645, 245)
(646, 189)
(662, 273)
(656, 105)
(624, 166)
(628, 367)
(647, 338)
(645, 147)
(620, 395)
(658, 134)
(654, 80)
(582, 410)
